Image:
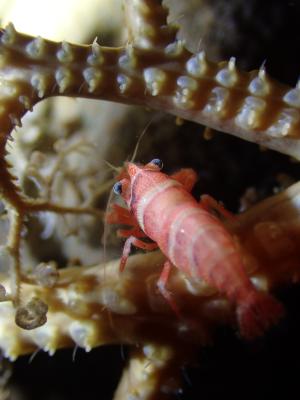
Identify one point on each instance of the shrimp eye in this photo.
(157, 162)
(117, 188)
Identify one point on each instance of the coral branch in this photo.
(93, 306)
(152, 373)
(154, 70)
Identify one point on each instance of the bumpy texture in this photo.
(89, 307)
(156, 70)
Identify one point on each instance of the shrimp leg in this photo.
(136, 232)
(132, 240)
(120, 215)
(211, 205)
(161, 284)
(187, 177)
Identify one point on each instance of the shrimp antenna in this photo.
(118, 170)
(141, 137)
(113, 167)
(105, 231)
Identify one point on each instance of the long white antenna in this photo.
(141, 137)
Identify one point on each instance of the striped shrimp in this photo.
(191, 237)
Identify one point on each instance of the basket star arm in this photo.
(93, 306)
(153, 69)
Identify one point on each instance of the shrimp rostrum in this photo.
(192, 238)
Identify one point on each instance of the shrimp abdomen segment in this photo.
(199, 245)
(194, 240)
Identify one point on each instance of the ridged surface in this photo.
(92, 306)
(155, 70)
(88, 307)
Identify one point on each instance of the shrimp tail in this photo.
(256, 313)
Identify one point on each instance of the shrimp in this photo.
(192, 238)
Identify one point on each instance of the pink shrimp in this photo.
(192, 238)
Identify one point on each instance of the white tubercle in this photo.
(216, 102)
(63, 78)
(155, 79)
(248, 117)
(292, 97)
(186, 86)
(8, 89)
(124, 82)
(112, 300)
(65, 54)
(45, 337)
(228, 76)
(174, 49)
(39, 83)
(128, 60)
(92, 77)
(9, 333)
(36, 47)
(25, 100)
(261, 283)
(145, 43)
(197, 65)
(286, 119)
(82, 333)
(259, 86)
(186, 83)
(10, 348)
(96, 56)
(9, 35)
(157, 355)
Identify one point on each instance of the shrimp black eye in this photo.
(157, 162)
(117, 188)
